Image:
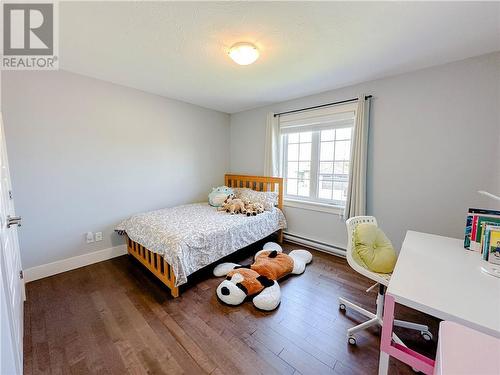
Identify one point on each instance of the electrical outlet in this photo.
(98, 236)
(90, 237)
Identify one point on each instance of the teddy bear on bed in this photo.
(253, 209)
(233, 205)
(259, 281)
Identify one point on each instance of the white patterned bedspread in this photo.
(193, 236)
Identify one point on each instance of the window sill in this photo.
(313, 206)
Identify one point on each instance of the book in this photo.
(485, 235)
(468, 231)
(474, 228)
(483, 211)
(484, 253)
(478, 229)
(476, 212)
(492, 244)
(473, 232)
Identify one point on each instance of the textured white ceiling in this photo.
(178, 50)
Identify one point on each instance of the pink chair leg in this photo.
(408, 356)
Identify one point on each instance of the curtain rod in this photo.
(321, 105)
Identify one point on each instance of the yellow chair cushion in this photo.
(372, 249)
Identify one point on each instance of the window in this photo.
(316, 153)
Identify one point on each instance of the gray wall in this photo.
(84, 154)
(434, 142)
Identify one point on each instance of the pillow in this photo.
(372, 249)
(268, 199)
(218, 195)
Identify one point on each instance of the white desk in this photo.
(437, 276)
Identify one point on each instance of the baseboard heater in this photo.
(317, 245)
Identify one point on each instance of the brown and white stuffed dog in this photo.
(253, 209)
(233, 205)
(260, 279)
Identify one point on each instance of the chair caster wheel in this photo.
(426, 335)
(342, 307)
(351, 340)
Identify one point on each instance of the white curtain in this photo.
(272, 153)
(356, 192)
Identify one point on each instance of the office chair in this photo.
(382, 281)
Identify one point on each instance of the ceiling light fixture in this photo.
(244, 53)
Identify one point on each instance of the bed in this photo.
(175, 242)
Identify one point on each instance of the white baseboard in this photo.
(68, 264)
(313, 244)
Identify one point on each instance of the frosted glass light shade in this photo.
(244, 53)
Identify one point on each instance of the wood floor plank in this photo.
(28, 341)
(216, 347)
(114, 317)
(158, 349)
(304, 362)
(158, 336)
(278, 364)
(130, 347)
(91, 327)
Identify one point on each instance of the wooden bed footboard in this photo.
(155, 263)
(162, 270)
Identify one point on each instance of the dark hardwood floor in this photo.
(114, 317)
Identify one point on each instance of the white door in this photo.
(11, 283)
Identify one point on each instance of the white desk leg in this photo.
(383, 364)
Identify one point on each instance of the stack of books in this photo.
(482, 233)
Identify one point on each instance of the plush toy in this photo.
(254, 209)
(259, 280)
(218, 195)
(233, 205)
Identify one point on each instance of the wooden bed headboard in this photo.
(258, 183)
